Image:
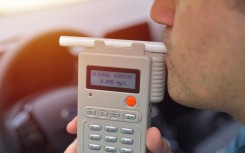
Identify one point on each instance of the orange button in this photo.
(131, 101)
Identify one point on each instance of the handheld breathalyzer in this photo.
(117, 81)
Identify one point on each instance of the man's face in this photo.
(206, 51)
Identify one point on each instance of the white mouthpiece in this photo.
(155, 47)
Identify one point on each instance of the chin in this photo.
(179, 95)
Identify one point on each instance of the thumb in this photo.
(72, 148)
(155, 143)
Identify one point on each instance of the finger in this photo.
(72, 126)
(72, 148)
(155, 143)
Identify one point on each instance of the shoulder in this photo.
(238, 144)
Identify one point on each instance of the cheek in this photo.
(194, 39)
(188, 61)
(203, 64)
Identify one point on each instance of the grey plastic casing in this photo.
(107, 109)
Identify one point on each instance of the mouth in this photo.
(167, 38)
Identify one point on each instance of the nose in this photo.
(163, 11)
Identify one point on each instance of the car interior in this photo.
(38, 87)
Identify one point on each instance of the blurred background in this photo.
(38, 78)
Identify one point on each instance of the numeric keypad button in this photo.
(127, 141)
(125, 150)
(94, 147)
(127, 131)
(95, 127)
(111, 129)
(110, 139)
(94, 137)
(110, 149)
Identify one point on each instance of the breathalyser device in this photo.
(117, 82)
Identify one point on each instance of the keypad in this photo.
(108, 137)
(100, 134)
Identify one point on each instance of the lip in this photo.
(167, 38)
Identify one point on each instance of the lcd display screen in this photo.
(113, 79)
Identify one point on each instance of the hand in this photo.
(72, 129)
(154, 142)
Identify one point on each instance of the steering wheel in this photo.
(37, 95)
